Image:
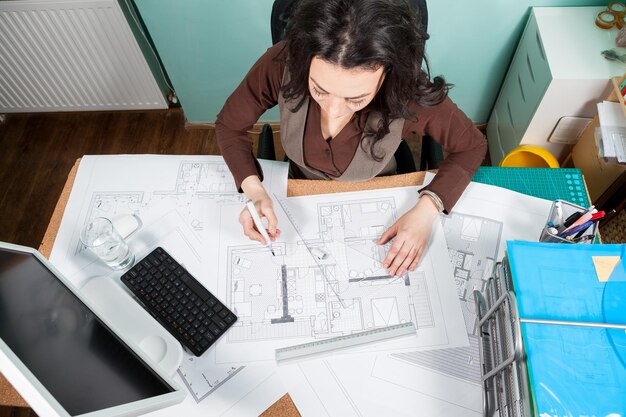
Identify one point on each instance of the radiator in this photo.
(71, 55)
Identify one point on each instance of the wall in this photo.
(208, 46)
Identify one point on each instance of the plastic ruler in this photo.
(318, 347)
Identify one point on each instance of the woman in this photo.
(349, 82)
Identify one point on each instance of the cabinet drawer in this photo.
(493, 139)
(527, 79)
(501, 133)
(536, 73)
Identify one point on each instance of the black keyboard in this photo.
(178, 301)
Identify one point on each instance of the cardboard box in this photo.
(600, 177)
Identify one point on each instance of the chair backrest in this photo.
(281, 10)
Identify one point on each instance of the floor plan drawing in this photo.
(473, 244)
(300, 304)
(202, 382)
(196, 183)
(329, 280)
(303, 300)
(148, 186)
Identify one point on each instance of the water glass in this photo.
(105, 242)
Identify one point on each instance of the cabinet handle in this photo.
(530, 68)
(540, 45)
(508, 107)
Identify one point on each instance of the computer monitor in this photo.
(61, 356)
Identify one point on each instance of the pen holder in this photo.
(556, 222)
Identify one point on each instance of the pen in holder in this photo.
(563, 214)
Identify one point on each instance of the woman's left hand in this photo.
(410, 236)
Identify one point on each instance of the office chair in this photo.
(431, 152)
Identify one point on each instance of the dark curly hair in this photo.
(363, 34)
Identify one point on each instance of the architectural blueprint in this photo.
(151, 186)
(473, 244)
(174, 197)
(435, 382)
(327, 278)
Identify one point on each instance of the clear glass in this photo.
(100, 237)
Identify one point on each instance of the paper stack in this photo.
(611, 135)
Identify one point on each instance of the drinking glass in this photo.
(105, 242)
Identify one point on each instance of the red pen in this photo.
(597, 216)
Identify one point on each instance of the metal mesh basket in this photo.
(503, 369)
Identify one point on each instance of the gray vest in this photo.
(362, 167)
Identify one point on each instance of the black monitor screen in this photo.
(69, 350)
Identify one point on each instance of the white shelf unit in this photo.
(557, 71)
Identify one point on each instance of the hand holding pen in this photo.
(255, 230)
(262, 205)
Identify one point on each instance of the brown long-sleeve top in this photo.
(463, 144)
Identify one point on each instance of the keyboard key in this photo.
(214, 329)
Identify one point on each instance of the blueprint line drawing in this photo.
(351, 388)
(203, 382)
(196, 181)
(300, 302)
(327, 279)
(473, 244)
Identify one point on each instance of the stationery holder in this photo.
(554, 220)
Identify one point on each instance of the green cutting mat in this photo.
(549, 183)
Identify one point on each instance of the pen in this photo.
(597, 216)
(583, 218)
(583, 238)
(575, 229)
(259, 225)
(572, 218)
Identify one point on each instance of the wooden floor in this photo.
(38, 151)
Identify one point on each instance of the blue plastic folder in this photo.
(574, 370)
(559, 282)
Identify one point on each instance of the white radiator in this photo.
(71, 55)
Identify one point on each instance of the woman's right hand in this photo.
(264, 205)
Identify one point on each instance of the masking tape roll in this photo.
(620, 22)
(617, 8)
(605, 20)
